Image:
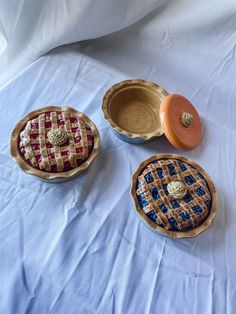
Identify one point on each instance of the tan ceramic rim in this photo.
(120, 86)
(175, 234)
(53, 175)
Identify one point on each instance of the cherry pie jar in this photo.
(54, 143)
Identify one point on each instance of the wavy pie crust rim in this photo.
(175, 234)
(119, 87)
(51, 176)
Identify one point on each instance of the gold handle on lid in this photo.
(187, 119)
(177, 189)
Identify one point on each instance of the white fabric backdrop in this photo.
(30, 28)
(79, 247)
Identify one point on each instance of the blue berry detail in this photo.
(155, 194)
(171, 169)
(155, 162)
(163, 208)
(173, 223)
(200, 191)
(142, 200)
(152, 215)
(185, 216)
(164, 186)
(138, 185)
(207, 202)
(160, 173)
(148, 177)
(174, 204)
(189, 180)
(188, 197)
(182, 166)
(197, 209)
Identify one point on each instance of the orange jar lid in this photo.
(180, 122)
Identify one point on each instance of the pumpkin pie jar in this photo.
(139, 110)
(54, 143)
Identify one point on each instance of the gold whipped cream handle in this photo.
(57, 136)
(177, 189)
(187, 119)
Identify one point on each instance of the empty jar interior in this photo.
(136, 109)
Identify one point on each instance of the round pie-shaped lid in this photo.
(54, 142)
(180, 122)
(174, 195)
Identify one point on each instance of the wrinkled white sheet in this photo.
(79, 247)
(29, 29)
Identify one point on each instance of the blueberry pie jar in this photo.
(174, 195)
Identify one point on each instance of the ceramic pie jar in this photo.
(54, 143)
(139, 111)
(174, 196)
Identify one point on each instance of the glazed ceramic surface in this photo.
(181, 122)
(174, 195)
(139, 110)
(132, 108)
(54, 143)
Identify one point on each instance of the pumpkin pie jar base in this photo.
(132, 108)
(139, 110)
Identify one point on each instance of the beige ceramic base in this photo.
(132, 108)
